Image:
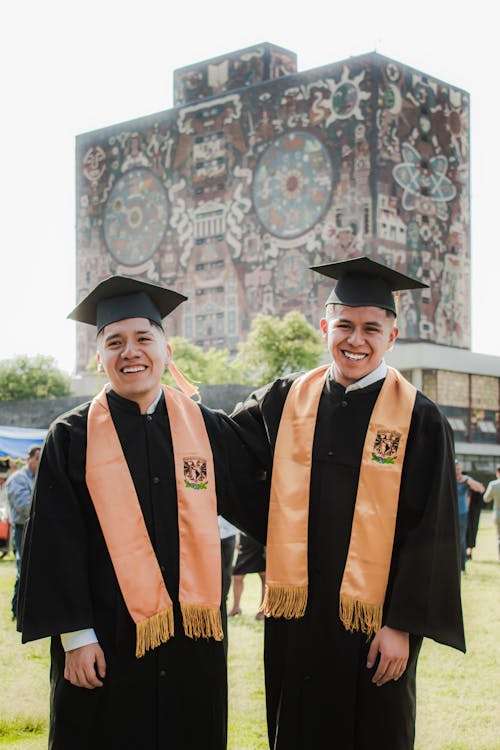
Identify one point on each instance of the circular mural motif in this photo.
(135, 217)
(345, 99)
(293, 184)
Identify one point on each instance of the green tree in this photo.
(277, 346)
(209, 367)
(26, 377)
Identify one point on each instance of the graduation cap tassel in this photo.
(184, 384)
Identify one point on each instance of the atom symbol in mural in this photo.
(425, 184)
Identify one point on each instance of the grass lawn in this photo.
(457, 694)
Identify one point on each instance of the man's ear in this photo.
(323, 324)
(169, 353)
(392, 338)
(100, 367)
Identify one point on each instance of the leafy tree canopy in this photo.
(278, 346)
(209, 367)
(24, 377)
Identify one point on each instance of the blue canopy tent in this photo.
(15, 442)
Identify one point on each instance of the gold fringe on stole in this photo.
(360, 616)
(202, 622)
(153, 631)
(285, 601)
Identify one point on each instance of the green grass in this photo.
(457, 694)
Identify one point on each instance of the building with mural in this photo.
(259, 171)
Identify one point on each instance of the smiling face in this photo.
(134, 353)
(358, 338)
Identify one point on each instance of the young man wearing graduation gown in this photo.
(121, 563)
(362, 537)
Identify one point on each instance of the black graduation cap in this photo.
(119, 297)
(362, 282)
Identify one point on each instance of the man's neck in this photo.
(372, 377)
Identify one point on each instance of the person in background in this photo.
(492, 494)
(19, 490)
(122, 556)
(4, 475)
(362, 551)
(4, 508)
(473, 518)
(465, 485)
(251, 558)
(228, 534)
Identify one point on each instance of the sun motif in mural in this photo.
(293, 184)
(135, 217)
(347, 97)
(426, 187)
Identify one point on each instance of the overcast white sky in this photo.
(70, 67)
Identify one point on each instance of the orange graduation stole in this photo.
(366, 572)
(117, 506)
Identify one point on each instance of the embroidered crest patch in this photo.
(385, 449)
(195, 472)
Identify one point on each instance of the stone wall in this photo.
(40, 413)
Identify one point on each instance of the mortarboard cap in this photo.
(362, 282)
(120, 297)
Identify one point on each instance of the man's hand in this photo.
(394, 648)
(85, 666)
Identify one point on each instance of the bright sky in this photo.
(68, 68)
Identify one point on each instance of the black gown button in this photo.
(156, 480)
(343, 403)
(149, 418)
(163, 672)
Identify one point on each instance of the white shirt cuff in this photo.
(78, 638)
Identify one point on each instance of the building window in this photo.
(458, 418)
(486, 427)
(457, 424)
(366, 220)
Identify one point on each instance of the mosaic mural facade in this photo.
(259, 172)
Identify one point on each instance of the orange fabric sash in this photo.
(366, 573)
(115, 500)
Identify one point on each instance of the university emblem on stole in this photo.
(195, 472)
(385, 448)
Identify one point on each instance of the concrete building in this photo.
(259, 171)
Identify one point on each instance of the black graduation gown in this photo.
(176, 695)
(317, 683)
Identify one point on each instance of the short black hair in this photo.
(33, 449)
